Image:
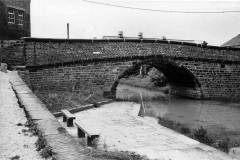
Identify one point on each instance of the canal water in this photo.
(217, 116)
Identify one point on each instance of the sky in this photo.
(89, 20)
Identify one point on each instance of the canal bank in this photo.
(120, 128)
(219, 118)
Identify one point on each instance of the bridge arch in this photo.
(181, 80)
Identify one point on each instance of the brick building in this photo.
(14, 19)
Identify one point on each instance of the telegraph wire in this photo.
(158, 10)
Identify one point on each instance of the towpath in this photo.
(16, 142)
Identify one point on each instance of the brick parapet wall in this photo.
(47, 52)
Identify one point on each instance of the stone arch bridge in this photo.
(97, 65)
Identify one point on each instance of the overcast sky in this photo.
(88, 20)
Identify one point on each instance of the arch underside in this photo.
(180, 79)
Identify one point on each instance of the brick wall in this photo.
(217, 80)
(213, 79)
(50, 51)
(88, 78)
(23, 4)
(11, 52)
(14, 31)
(86, 65)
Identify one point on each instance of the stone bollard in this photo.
(3, 67)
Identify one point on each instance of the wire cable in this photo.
(159, 10)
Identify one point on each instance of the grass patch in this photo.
(223, 144)
(100, 154)
(41, 143)
(144, 83)
(117, 155)
(175, 126)
(44, 149)
(57, 100)
(201, 134)
(32, 127)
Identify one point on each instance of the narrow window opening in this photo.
(11, 16)
(20, 17)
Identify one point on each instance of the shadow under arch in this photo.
(177, 76)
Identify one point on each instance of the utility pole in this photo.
(67, 30)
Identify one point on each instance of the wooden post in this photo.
(81, 134)
(64, 118)
(141, 112)
(70, 122)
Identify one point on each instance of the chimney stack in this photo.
(67, 30)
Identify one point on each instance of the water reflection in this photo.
(216, 116)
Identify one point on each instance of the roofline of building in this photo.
(144, 40)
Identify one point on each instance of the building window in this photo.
(20, 17)
(11, 16)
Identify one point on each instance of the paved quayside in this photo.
(15, 141)
(121, 129)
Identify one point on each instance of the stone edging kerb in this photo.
(62, 144)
